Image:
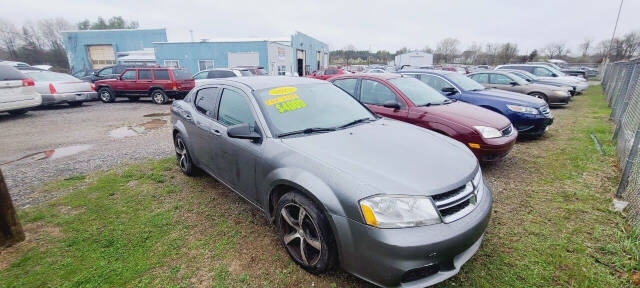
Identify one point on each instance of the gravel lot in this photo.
(81, 139)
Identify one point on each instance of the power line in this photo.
(614, 32)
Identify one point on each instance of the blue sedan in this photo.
(531, 116)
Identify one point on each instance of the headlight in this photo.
(488, 132)
(399, 211)
(561, 92)
(523, 109)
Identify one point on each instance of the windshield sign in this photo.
(315, 106)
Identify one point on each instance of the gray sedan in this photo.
(59, 88)
(392, 203)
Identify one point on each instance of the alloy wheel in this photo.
(181, 153)
(105, 95)
(300, 234)
(158, 97)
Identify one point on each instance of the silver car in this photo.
(392, 203)
(60, 88)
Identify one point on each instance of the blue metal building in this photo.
(299, 54)
(94, 49)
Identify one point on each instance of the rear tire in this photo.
(18, 112)
(184, 157)
(106, 95)
(305, 233)
(540, 96)
(159, 97)
(75, 103)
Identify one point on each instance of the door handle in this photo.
(216, 132)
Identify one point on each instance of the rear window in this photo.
(9, 73)
(182, 75)
(161, 74)
(246, 73)
(50, 76)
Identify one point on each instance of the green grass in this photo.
(146, 225)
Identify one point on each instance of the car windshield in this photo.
(51, 76)
(182, 75)
(518, 79)
(525, 74)
(307, 107)
(556, 71)
(8, 73)
(465, 82)
(418, 92)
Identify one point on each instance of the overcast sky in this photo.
(365, 24)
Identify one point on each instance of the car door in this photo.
(143, 82)
(127, 82)
(236, 159)
(203, 131)
(482, 78)
(375, 94)
(500, 81)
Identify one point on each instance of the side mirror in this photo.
(392, 104)
(513, 83)
(528, 80)
(449, 90)
(243, 131)
(94, 73)
(554, 75)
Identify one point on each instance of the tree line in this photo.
(449, 51)
(40, 42)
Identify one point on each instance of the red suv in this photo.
(489, 135)
(326, 73)
(161, 84)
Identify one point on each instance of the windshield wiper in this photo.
(307, 131)
(448, 101)
(354, 122)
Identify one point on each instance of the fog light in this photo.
(474, 145)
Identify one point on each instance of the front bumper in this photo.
(559, 100)
(177, 94)
(52, 99)
(383, 256)
(494, 149)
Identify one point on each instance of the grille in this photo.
(507, 131)
(545, 111)
(456, 203)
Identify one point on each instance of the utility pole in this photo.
(613, 36)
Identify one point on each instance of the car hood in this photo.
(466, 114)
(511, 97)
(391, 157)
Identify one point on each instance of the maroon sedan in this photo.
(488, 134)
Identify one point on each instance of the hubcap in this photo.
(157, 97)
(105, 95)
(300, 234)
(181, 153)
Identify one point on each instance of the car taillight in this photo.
(174, 87)
(52, 89)
(93, 87)
(28, 82)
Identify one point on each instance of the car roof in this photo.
(263, 82)
(428, 71)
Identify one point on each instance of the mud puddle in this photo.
(51, 154)
(130, 131)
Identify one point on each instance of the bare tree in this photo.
(9, 39)
(474, 52)
(491, 53)
(10, 229)
(630, 44)
(585, 46)
(427, 49)
(506, 52)
(51, 31)
(448, 48)
(556, 50)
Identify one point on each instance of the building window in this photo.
(172, 63)
(205, 65)
(282, 70)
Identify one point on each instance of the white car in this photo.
(17, 91)
(544, 72)
(60, 88)
(202, 76)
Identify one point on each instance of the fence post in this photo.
(10, 229)
(624, 179)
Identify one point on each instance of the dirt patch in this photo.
(154, 124)
(36, 235)
(157, 114)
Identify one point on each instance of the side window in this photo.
(129, 75)
(499, 79)
(374, 92)
(539, 71)
(330, 72)
(347, 85)
(481, 78)
(435, 82)
(144, 74)
(206, 100)
(220, 74)
(161, 74)
(234, 109)
(106, 72)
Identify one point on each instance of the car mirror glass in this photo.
(392, 104)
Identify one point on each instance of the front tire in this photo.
(159, 97)
(540, 96)
(305, 233)
(106, 95)
(18, 112)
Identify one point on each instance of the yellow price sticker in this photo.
(290, 105)
(282, 91)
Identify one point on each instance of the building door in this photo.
(301, 62)
(101, 56)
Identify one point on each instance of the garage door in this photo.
(243, 59)
(101, 56)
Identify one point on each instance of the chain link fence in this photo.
(621, 84)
